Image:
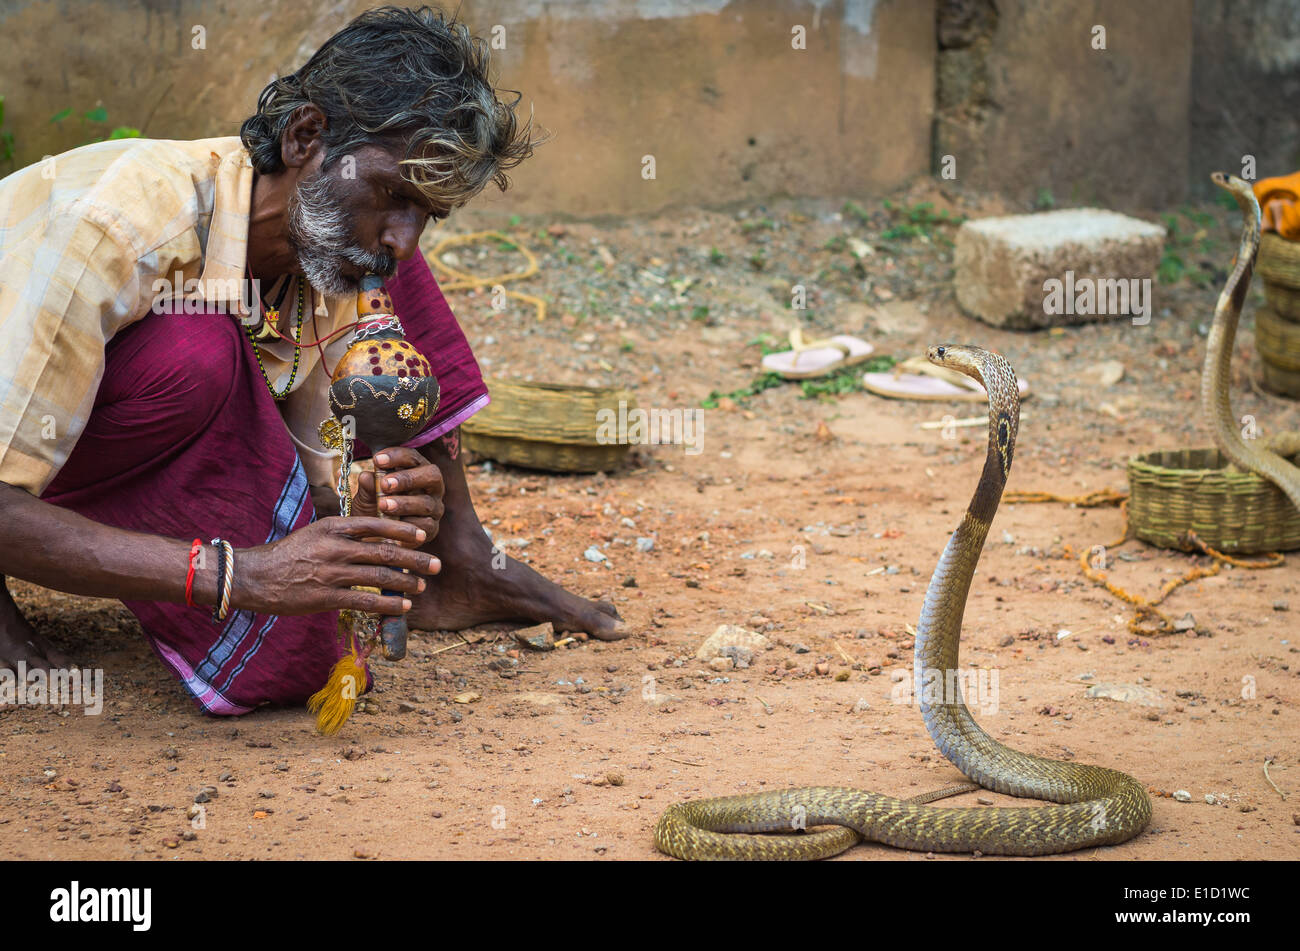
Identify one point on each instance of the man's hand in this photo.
(314, 568)
(410, 488)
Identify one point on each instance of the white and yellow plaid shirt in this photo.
(85, 239)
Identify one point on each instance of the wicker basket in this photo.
(1285, 301)
(1177, 490)
(1278, 343)
(1279, 260)
(548, 426)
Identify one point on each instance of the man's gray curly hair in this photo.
(395, 77)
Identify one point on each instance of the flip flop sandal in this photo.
(811, 358)
(919, 379)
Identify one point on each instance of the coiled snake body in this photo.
(1096, 806)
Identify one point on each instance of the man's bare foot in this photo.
(470, 591)
(20, 642)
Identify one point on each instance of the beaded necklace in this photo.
(297, 349)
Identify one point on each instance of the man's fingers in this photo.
(360, 526)
(377, 576)
(399, 457)
(422, 480)
(411, 506)
(388, 555)
(365, 497)
(372, 603)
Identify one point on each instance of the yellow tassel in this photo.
(333, 704)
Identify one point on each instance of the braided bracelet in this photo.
(225, 578)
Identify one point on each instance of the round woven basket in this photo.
(549, 426)
(1279, 260)
(1284, 300)
(1278, 343)
(1179, 490)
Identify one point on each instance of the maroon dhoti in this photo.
(185, 441)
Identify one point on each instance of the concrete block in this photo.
(1055, 268)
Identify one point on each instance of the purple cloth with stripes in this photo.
(185, 441)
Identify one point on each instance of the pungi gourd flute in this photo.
(382, 392)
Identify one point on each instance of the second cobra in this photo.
(1096, 806)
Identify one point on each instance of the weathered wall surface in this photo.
(1013, 90)
(712, 89)
(1026, 103)
(1245, 83)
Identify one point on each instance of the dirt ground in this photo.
(815, 521)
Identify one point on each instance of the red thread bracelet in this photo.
(189, 578)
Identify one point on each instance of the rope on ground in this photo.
(463, 280)
(1147, 620)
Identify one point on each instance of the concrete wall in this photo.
(1245, 83)
(713, 90)
(1012, 89)
(1026, 103)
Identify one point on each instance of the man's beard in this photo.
(322, 238)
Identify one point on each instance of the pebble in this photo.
(1280, 605)
(1182, 795)
(644, 544)
(741, 657)
(727, 636)
(206, 794)
(595, 554)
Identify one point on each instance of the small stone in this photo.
(644, 544)
(226, 776)
(405, 706)
(266, 793)
(539, 637)
(1281, 605)
(206, 794)
(1209, 797)
(189, 835)
(721, 663)
(1185, 623)
(595, 554)
(171, 843)
(741, 657)
(730, 635)
(823, 669)
(614, 779)
(1182, 795)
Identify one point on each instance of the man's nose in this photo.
(401, 235)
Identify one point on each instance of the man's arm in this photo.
(308, 571)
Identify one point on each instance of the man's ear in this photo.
(302, 140)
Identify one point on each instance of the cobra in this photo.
(1269, 458)
(1093, 805)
